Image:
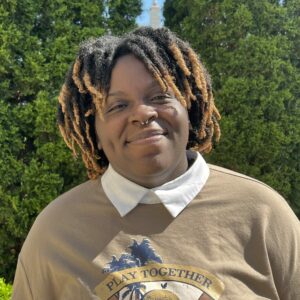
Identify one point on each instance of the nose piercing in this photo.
(147, 122)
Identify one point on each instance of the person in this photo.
(154, 221)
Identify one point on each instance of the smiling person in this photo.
(144, 129)
(154, 221)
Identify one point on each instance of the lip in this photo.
(146, 136)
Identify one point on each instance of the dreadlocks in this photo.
(171, 61)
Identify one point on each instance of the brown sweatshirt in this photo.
(238, 239)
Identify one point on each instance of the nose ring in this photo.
(147, 122)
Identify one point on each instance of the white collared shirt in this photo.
(175, 195)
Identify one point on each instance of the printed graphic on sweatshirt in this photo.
(142, 275)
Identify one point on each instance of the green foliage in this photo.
(36, 47)
(252, 50)
(117, 22)
(5, 290)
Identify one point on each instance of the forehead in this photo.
(130, 72)
(128, 62)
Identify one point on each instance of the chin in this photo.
(154, 159)
(153, 169)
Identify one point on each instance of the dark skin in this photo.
(173, 64)
(147, 155)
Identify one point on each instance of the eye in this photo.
(115, 107)
(161, 98)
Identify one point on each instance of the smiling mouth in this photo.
(146, 137)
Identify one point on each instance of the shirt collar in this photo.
(175, 195)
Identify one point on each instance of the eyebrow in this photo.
(152, 85)
(117, 93)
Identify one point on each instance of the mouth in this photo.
(146, 137)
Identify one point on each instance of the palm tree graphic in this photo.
(135, 289)
(140, 255)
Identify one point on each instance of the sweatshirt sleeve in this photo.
(291, 252)
(21, 286)
(283, 241)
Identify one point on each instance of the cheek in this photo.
(98, 132)
(102, 133)
(182, 120)
(178, 119)
(184, 126)
(109, 134)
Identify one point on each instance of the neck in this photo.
(155, 179)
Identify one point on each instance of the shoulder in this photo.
(234, 177)
(84, 194)
(245, 201)
(238, 182)
(247, 193)
(66, 212)
(88, 189)
(254, 212)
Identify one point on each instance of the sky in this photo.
(144, 18)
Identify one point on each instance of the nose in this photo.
(143, 114)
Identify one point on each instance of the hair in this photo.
(170, 60)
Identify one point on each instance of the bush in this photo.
(5, 290)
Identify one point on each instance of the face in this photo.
(150, 154)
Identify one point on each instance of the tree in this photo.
(118, 21)
(36, 48)
(251, 49)
(5, 290)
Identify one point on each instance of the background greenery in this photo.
(5, 290)
(251, 48)
(38, 40)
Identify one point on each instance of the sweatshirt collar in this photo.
(175, 195)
